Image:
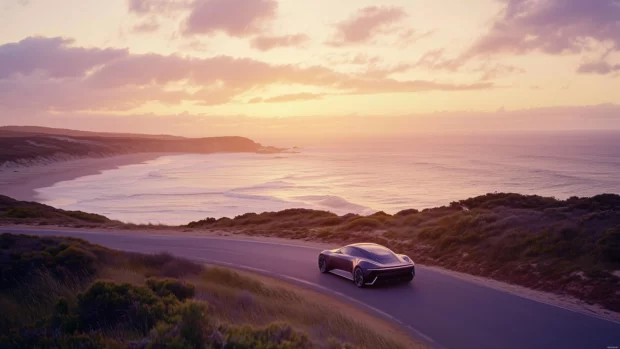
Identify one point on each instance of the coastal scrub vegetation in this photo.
(569, 247)
(58, 292)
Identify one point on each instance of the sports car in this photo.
(367, 264)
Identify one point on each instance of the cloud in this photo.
(600, 67)
(552, 27)
(431, 60)
(53, 57)
(158, 7)
(294, 97)
(494, 70)
(73, 78)
(76, 95)
(266, 43)
(353, 59)
(148, 26)
(239, 18)
(435, 60)
(245, 73)
(366, 24)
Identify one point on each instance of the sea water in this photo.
(361, 177)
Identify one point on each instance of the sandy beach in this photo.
(21, 182)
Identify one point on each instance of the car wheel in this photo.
(358, 277)
(323, 264)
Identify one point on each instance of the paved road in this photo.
(445, 311)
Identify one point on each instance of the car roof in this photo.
(371, 247)
(362, 244)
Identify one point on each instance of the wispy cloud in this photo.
(294, 97)
(240, 18)
(598, 67)
(148, 26)
(158, 7)
(267, 42)
(366, 24)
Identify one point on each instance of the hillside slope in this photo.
(16, 130)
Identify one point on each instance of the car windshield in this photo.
(381, 254)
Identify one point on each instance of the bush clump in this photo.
(165, 287)
(362, 223)
(108, 305)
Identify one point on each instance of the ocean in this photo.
(361, 177)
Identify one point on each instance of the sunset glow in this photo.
(207, 67)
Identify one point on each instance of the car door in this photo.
(336, 260)
(346, 259)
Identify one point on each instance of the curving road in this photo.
(444, 311)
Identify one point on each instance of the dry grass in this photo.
(39, 276)
(239, 297)
(243, 297)
(29, 302)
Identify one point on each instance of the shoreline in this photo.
(21, 183)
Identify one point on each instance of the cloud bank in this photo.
(552, 27)
(51, 74)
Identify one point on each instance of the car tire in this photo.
(411, 278)
(323, 264)
(358, 277)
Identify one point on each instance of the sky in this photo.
(267, 68)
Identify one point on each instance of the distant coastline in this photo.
(38, 157)
(26, 146)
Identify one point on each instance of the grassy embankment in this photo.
(569, 247)
(67, 293)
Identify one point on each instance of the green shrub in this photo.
(76, 259)
(324, 234)
(275, 336)
(362, 223)
(62, 306)
(193, 330)
(106, 305)
(609, 246)
(7, 241)
(165, 287)
(201, 223)
(87, 217)
(407, 212)
(41, 339)
(25, 212)
(329, 221)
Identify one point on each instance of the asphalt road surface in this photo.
(441, 310)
